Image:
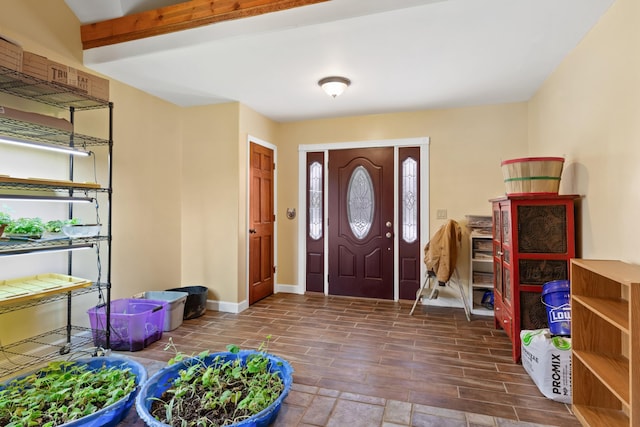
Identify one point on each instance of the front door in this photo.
(361, 222)
(261, 218)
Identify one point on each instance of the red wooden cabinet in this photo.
(533, 243)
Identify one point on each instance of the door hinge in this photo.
(274, 269)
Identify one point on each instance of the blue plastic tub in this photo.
(556, 296)
(161, 381)
(113, 414)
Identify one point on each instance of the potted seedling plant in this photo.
(233, 388)
(55, 225)
(5, 219)
(31, 228)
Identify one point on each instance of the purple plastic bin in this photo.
(135, 323)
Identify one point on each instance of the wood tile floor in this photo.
(366, 363)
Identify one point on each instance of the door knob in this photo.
(252, 231)
(388, 234)
(388, 224)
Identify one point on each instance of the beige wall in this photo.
(146, 161)
(147, 173)
(466, 147)
(589, 110)
(211, 197)
(214, 206)
(214, 190)
(180, 175)
(47, 28)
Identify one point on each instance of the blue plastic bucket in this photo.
(556, 296)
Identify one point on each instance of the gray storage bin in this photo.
(175, 309)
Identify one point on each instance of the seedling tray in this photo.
(38, 286)
(48, 182)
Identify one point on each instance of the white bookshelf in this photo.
(480, 271)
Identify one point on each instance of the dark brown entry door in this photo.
(361, 222)
(261, 218)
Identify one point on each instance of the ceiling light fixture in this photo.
(334, 85)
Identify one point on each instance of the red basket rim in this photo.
(532, 159)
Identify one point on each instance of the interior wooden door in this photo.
(261, 219)
(361, 222)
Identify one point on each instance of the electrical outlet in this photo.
(441, 214)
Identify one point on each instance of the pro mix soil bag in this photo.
(547, 359)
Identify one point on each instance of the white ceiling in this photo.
(401, 55)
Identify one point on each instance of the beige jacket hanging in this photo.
(441, 253)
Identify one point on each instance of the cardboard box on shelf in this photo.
(40, 119)
(32, 64)
(84, 81)
(94, 85)
(35, 65)
(63, 74)
(99, 88)
(10, 55)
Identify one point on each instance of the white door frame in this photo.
(423, 143)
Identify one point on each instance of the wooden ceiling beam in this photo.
(181, 16)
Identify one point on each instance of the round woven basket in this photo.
(532, 175)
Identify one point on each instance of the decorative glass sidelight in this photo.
(315, 201)
(409, 200)
(360, 202)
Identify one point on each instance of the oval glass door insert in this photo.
(360, 202)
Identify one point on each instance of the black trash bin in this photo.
(196, 303)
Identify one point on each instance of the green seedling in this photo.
(219, 394)
(62, 392)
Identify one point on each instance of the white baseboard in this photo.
(237, 307)
(289, 289)
(227, 307)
